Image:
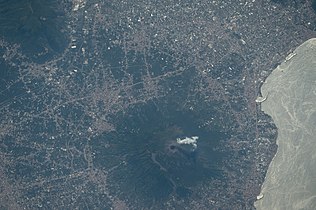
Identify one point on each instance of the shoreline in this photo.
(289, 182)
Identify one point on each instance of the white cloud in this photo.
(188, 140)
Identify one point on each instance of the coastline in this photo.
(290, 181)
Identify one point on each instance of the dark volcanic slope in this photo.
(96, 124)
